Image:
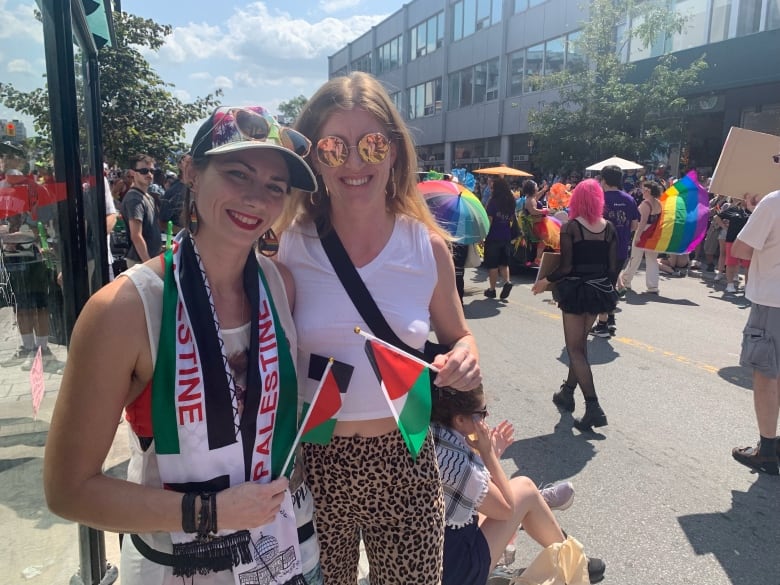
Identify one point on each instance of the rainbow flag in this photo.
(683, 220)
(407, 387)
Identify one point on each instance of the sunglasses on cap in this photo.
(254, 126)
(143, 170)
(372, 148)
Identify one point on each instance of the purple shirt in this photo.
(620, 209)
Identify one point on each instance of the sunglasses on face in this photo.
(254, 126)
(480, 414)
(144, 170)
(372, 148)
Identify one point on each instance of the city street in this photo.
(658, 495)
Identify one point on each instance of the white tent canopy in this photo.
(625, 165)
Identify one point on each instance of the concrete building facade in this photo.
(462, 72)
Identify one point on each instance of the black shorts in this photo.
(497, 253)
(29, 280)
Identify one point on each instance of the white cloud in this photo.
(200, 75)
(19, 22)
(183, 95)
(253, 34)
(329, 7)
(20, 66)
(223, 82)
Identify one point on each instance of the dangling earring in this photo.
(392, 193)
(192, 225)
(268, 244)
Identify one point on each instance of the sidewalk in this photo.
(41, 548)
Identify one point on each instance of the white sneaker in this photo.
(730, 288)
(558, 496)
(719, 276)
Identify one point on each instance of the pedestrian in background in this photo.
(759, 242)
(649, 212)
(585, 286)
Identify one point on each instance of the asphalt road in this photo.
(658, 496)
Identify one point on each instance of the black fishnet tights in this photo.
(575, 334)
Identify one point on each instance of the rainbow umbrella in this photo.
(457, 210)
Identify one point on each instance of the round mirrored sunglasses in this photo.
(372, 148)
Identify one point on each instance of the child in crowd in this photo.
(483, 508)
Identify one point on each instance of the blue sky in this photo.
(256, 52)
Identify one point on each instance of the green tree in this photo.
(140, 113)
(291, 110)
(603, 109)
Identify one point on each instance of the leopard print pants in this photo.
(370, 486)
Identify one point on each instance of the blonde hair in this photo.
(361, 90)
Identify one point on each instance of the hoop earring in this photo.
(192, 225)
(393, 192)
(268, 244)
(315, 198)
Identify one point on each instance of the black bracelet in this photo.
(213, 524)
(188, 512)
(205, 516)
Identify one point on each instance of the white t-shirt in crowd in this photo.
(762, 233)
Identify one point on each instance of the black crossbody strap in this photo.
(357, 291)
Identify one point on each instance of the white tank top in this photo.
(401, 279)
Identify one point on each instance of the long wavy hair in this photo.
(361, 90)
(587, 201)
(501, 195)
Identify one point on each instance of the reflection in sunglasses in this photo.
(372, 148)
(254, 126)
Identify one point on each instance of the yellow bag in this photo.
(562, 563)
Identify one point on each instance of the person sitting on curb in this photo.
(483, 508)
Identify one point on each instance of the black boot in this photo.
(594, 417)
(564, 398)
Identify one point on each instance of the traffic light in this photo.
(10, 129)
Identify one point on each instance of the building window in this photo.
(389, 55)
(425, 99)
(491, 91)
(396, 98)
(554, 56)
(516, 66)
(469, 16)
(340, 72)
(534, 68)
(576, 61)
(362, 63)
(721, 18)
(520, 6)
(773, 15)
(749, 17)
(474, 85)
(695, 30)
(426, 37)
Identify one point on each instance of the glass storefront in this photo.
(52, 213)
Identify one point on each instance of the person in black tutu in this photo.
(584, 287)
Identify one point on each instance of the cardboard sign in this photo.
(745, 164)
(550, 261)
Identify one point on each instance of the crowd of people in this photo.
(201, 347)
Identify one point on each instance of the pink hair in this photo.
(587, 201)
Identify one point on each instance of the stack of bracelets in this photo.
(206, 524)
